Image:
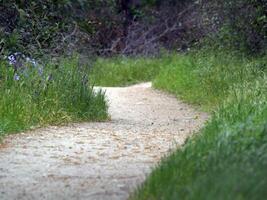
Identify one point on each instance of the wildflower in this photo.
(12, 59)
(34, 63)
(16, 77)
(22, 65)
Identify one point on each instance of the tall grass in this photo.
(206, 78)
(122, 71)
(228, 160)
(61, 94)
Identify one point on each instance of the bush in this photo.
(243, 24)
(52, 27)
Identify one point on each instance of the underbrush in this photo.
(228, 159)
(122, 71)
(59, 94)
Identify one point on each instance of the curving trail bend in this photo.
(105, 160)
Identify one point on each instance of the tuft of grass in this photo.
(228, 159)
(61, 94)
(206, 78)
(123, 71)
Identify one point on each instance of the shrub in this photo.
(243, 24)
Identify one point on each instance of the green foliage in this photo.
(244, 25)
(62, 94)
(124, 71)
(45, 26)
(199, 78)
(206, 78)
(227, 160)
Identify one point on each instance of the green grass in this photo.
(122, 71)
(228, 159)
(206, 78)
(36, 101)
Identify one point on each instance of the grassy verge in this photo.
(122, 71)
(228, 160)
(60, 94)
(207, 78)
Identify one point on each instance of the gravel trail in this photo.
(105, 160)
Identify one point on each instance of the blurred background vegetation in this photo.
(130, 27)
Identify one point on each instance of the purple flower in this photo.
(16, 77)
(12, 59)
(34, 63)
(23, 64)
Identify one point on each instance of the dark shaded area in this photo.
(130, 27)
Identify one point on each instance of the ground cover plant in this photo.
(34, 95)
(206, 77)
(121, 71)
(227, 159)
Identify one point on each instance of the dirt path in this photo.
(97, 160)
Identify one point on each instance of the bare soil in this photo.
(105, 160)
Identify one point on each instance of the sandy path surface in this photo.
(97, 160)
